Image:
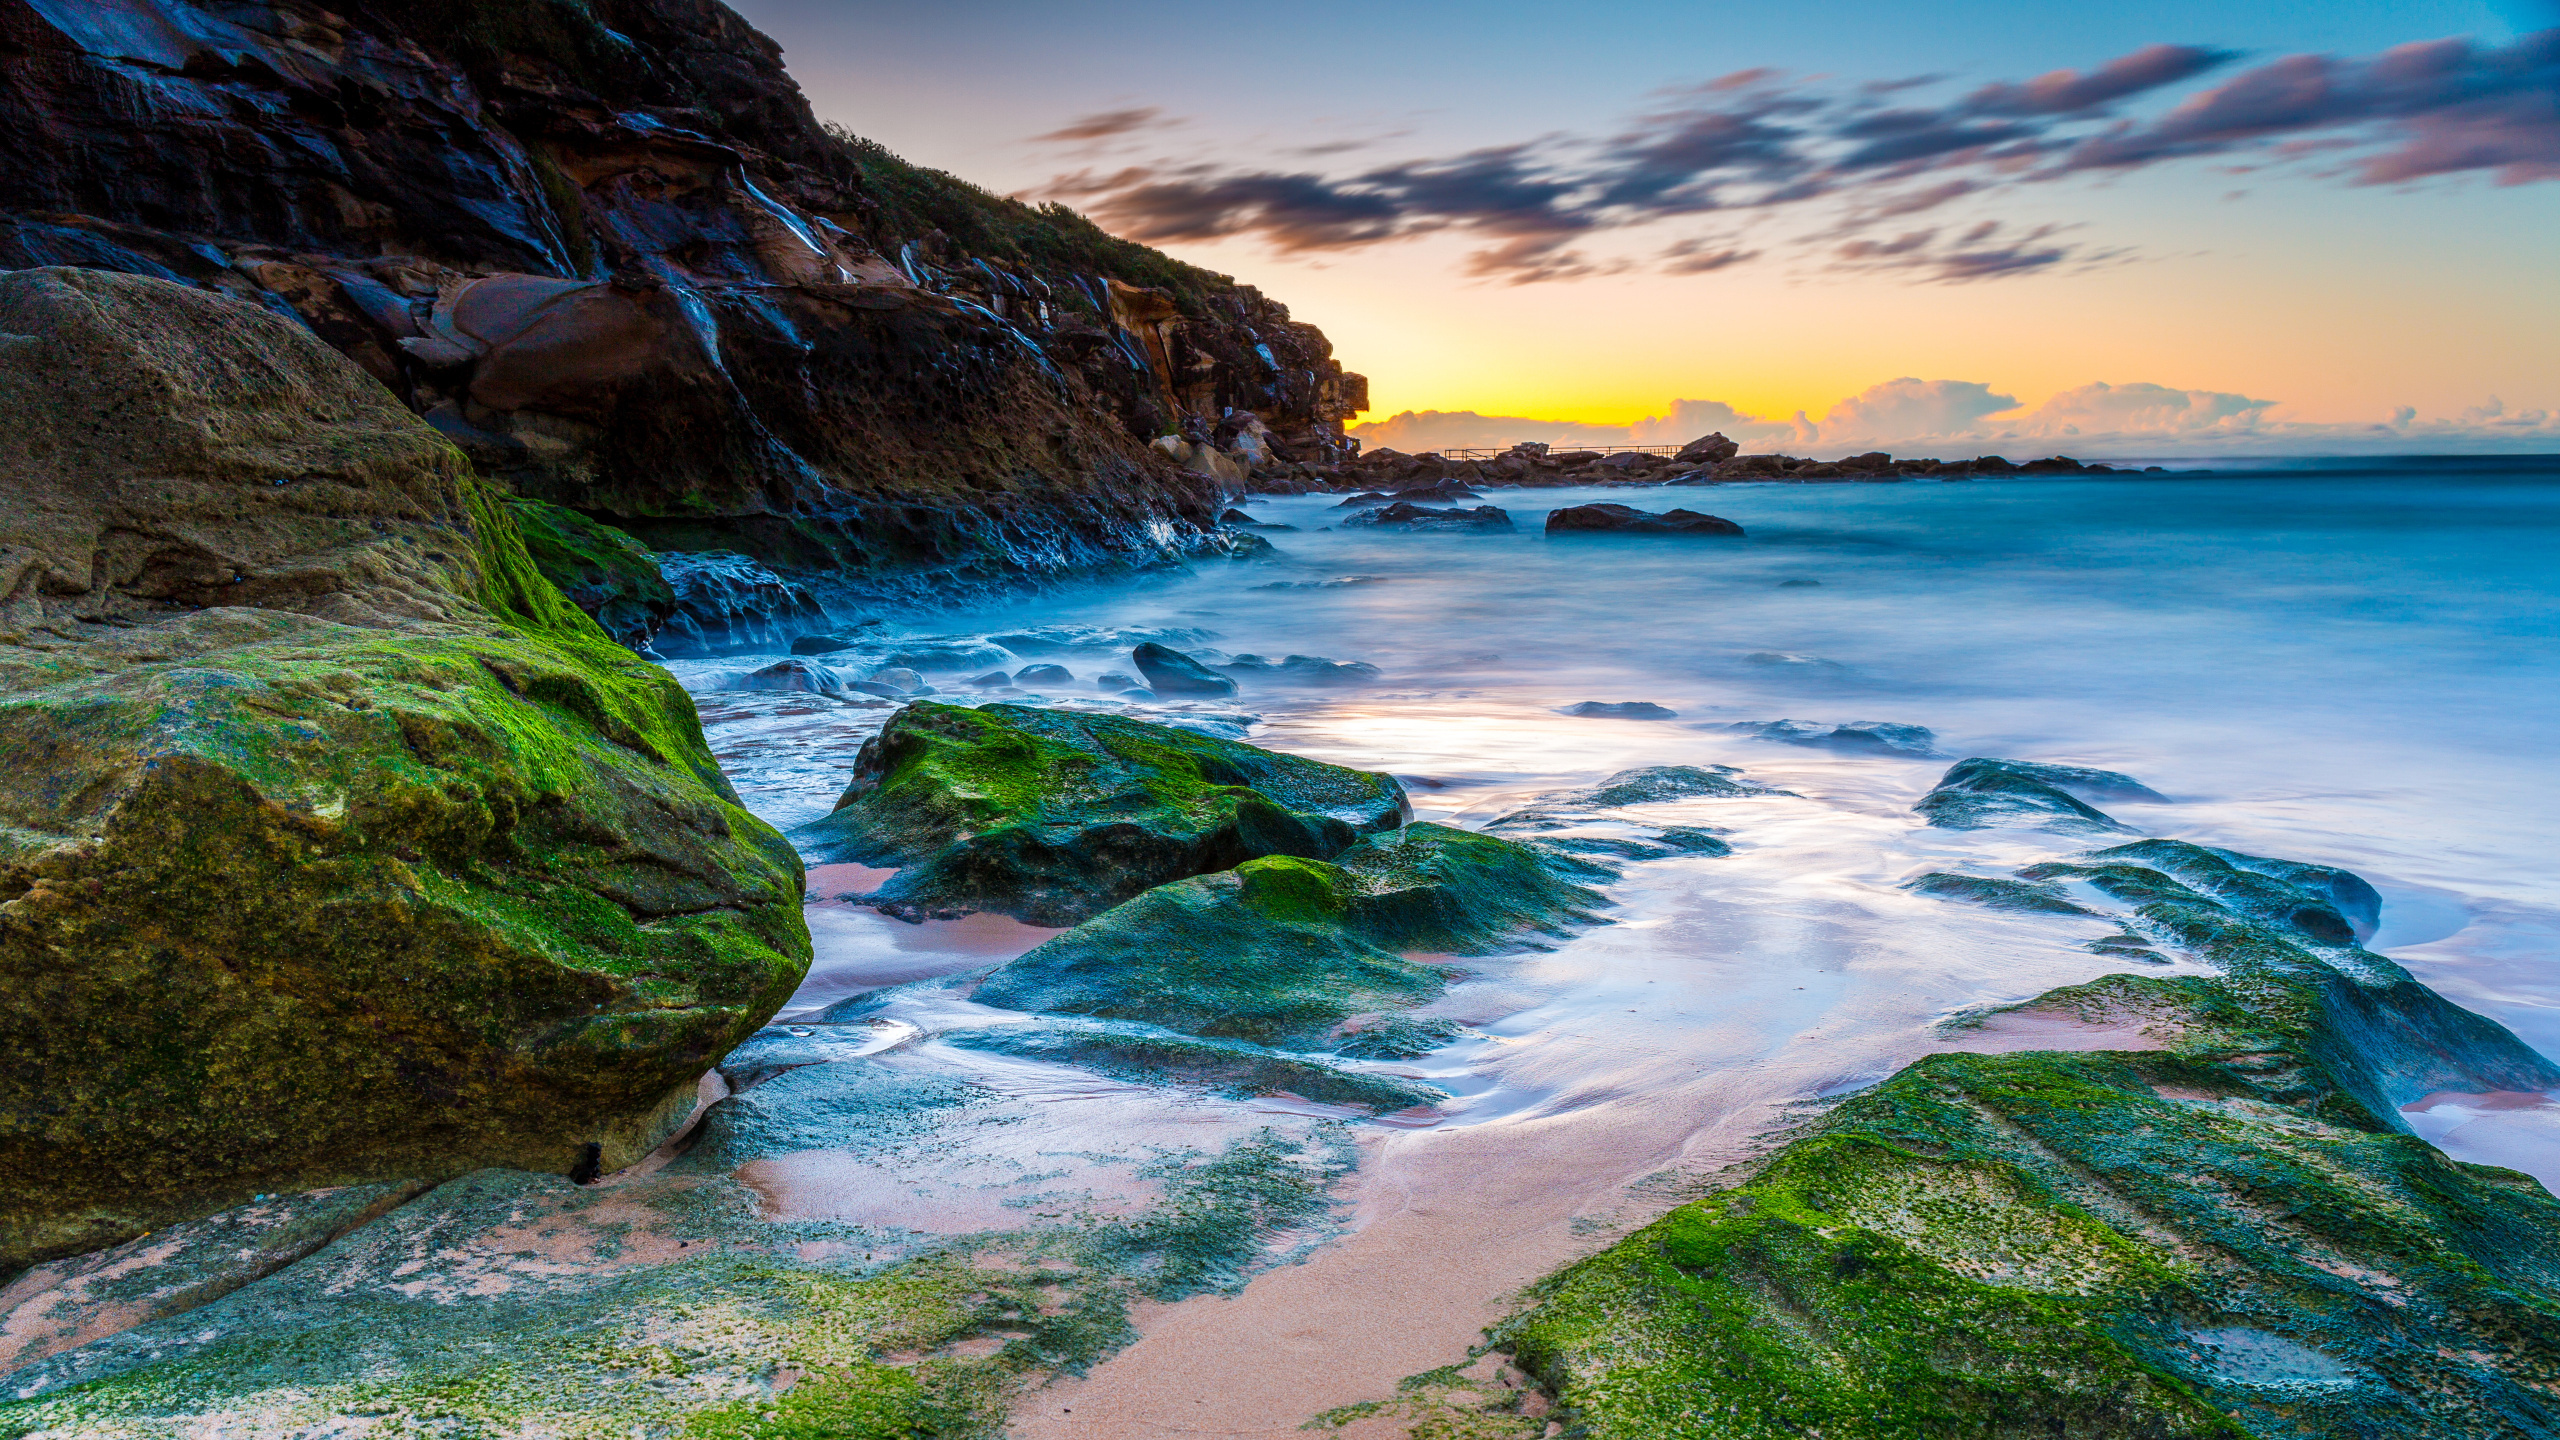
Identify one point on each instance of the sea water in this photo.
(2350, 665)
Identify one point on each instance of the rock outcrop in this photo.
(607, 250)
(1053, 816)
(2226, 1230)
(1628, 520)
(335, 846)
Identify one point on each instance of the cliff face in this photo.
(606, 248)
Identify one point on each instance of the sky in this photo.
(2175, 228)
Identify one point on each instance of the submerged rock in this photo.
(1620, 710)
(1628, 520)
(1404, 515)
(1979, 793)
(379, 859)
(1997, 894)
(1306, 670)
(1858, 736)
(1171, 672)
(1281, 949)
(826, 644)
(1053, 816)
(790, 675)
(1151, 1055)
(1044, 675)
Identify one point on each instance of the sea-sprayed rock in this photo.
(1980, 793)
(1404, 515)
(339, 847)
(1619, 710)
(726, 601)
(1627, 520)
(1281, 949)
(1875, 737)
(1054, 816)
(2230, 1234)
(1171, 672)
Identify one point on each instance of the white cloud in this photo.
(1962, 418)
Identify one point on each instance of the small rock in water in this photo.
(1797, 584)
(899, 678)
(826, 644)
(1404, 515)
(1628, 520)
(1235, 517)
(993, 679)
(1043, 675)
(1170, 672)
(1620, 710)
(1979, 793)
(791, 675)
(1316, 670)
(1114, 680)
(1143, 696)
(1870, 736)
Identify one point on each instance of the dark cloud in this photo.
(2072, 92)
(1758, 141)
(1701, 257)
(1104, 125)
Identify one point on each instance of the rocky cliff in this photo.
(334, 845)
(606, 248)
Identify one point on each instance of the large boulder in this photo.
(1708, 450)
(1055, 816)
(336, 846)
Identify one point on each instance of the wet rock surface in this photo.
(1054, 816)
(1282, 949)
(428, 873)
(1627, 520)
(2230, 1231)
(1170, 672)
(1979, 793)
(1405, 515)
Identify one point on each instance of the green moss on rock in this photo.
(2232, 1235)
(338, 846)
(1281, 949)
(598, 568)
(1054, 816)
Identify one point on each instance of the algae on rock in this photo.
(2231, 1235)
(1281, 950)
(1054, 816)
(338, 847)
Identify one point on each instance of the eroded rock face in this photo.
(608, 251)
(1054, 816)
(336, 846)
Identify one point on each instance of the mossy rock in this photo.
(601, 570)
(1055, 816)
(2101, 1245)
(1997, 894)
(1150, 1055)
(339, 847)
(2232, 1235)
(1281, 950)
(1980, 793)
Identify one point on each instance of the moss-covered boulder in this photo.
(335, 845)
(1981, 793)
(1055, 816)
(1281, 950)
(2231, 1235)
(601, 570)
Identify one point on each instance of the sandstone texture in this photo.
(607, 250)
(335, 847)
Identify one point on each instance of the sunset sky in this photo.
(2312, 226)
